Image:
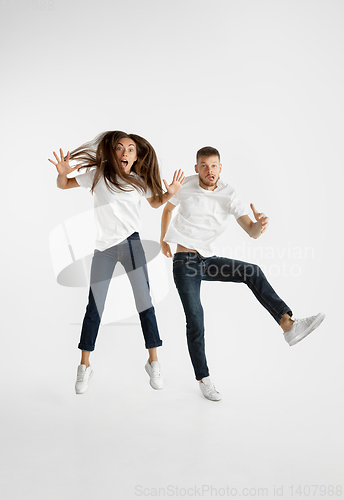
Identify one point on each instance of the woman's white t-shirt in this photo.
(116, 214)
(203, 215)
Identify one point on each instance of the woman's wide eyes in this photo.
(119, 148)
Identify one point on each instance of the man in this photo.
(205, 205)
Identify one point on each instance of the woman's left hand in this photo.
(176, 184)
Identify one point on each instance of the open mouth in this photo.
(124, 163)
(211, 177)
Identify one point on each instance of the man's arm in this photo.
(165, 222)
(254, 229)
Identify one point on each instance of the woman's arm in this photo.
(63, 168)
(172, 189)
(65, 183)
(155, 203)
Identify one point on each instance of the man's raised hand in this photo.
(261, 218)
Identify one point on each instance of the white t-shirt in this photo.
(116, 214)
(203, 215)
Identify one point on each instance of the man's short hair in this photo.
(207, 151)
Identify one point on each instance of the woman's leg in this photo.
(103, 264)
(85, 358)
(153, 356)
(134, 262)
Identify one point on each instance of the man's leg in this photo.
(224, 269)
(187, 274)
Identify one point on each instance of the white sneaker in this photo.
(303, 327)
(154, 371)
(208, 389)
(82, 378)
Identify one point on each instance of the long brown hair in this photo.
(101, 153)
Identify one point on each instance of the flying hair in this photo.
(101, 154)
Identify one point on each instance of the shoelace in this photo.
(155, 372)
(298, 321)
(80, 376)
(305, 320)
(210, 387)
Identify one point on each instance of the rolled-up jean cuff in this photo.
(153, 346)
(85, 348)
(286, 311)
(200, 377)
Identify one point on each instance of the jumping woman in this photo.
(120, 168)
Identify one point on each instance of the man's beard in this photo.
(207, 182)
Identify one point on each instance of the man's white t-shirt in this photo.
(116, 214)
(203, 215)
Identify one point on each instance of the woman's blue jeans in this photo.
(131, 255)
(189, 269)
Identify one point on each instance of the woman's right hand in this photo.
(62, 165)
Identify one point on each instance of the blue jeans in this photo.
(190, 268)
(131, 255)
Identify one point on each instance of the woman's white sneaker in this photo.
(303, 327)
(154, 371)
(208, 389)
(82, 378)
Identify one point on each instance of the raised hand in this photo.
(62, 165)
(261, 218)
(176, 183)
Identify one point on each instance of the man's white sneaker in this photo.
(154, 371)
(82, 378)
(208, 389)
(303, 327)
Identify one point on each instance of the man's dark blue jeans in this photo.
(190, 268)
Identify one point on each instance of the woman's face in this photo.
(126, 153)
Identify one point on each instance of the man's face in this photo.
(208, 169)
(126, 153)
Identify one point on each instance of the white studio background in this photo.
(262, 81)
